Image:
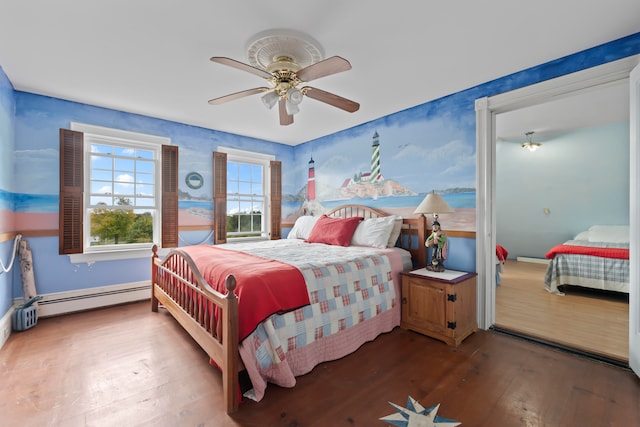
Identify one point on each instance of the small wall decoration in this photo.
(194, 180)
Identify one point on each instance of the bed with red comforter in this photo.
(597, 265)
(278, 308)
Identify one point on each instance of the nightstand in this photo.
(439, 305)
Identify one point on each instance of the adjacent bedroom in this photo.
(562, 216)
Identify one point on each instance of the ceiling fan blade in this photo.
(332, 99)
(333, 65)
(237, 95)
(241, 66)
(285, 118)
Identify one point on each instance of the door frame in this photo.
(634, 212)
(486, 110)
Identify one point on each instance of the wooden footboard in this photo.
(208, 316)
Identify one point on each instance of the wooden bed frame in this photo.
(177, 284)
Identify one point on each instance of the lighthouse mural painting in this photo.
(311, 181)
(336, 177)
(376, 174)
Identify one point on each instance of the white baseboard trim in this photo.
(5, 326)
(535, 260)
(85, 299)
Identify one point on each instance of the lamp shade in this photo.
(270, 99)
(433, 204)
(291, 108)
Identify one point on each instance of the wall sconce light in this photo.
(529, 144)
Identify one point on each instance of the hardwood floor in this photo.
(590, 321)
(125, 366)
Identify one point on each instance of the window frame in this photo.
(103, 135)
(253, 158)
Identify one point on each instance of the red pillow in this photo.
(334, 231)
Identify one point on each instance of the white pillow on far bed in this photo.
(609, 233)
(583, 235)
(302, 227)
(374, 232)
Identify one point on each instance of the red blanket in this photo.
(501, 253)
(619, 253)
(264, 286)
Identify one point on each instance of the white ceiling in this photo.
(151, 57)
(595, 106)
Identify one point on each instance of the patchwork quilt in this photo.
(346, 286)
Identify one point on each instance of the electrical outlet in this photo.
(5, 333)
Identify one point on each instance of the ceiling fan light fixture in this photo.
(291, 108)
(294, 96)
(285, 61)
(529, 144)
(270, 99)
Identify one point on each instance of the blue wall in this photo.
(7, 113)
(37, 123)
(581, 177)
(443, 129)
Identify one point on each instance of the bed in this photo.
(597, 258)
(352, 294)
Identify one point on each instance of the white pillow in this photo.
(373, 232)
(609, 233)
(302, 227)
(395, 233)
(583, 235)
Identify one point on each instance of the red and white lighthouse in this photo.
(311, 181)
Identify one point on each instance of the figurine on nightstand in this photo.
(438, 240)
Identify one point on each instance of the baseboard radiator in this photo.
(534, 260)
(84, 299)
(5, 327)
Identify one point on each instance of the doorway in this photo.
(547, 197)
(486, 111)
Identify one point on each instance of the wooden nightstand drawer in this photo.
(439, 305)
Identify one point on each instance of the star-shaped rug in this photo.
(415, 415)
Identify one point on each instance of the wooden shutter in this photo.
(71, 211)
(276, 199)
(169, 196)
(219, 198)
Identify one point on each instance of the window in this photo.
(117, 198)
(121, 206)
(247, 199)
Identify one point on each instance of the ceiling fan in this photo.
(285, 75)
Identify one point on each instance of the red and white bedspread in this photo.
(594, 265)
(353, 290)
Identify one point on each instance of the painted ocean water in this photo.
(455, 200)
(48, 203)
(29, 203)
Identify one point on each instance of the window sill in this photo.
(232, 240)
(90, 257)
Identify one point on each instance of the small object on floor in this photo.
(26, 316)
(415, 415)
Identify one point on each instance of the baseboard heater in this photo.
(534, 260)
(85, 299)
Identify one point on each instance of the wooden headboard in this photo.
(412, 235)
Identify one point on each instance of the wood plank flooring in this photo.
(126, 366)
(589, 321)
